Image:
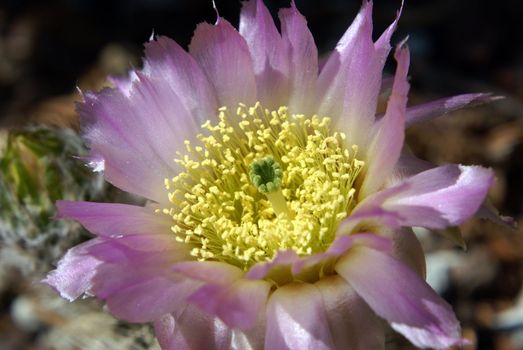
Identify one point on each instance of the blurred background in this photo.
(49, 47)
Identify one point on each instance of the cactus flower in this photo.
(279, 205)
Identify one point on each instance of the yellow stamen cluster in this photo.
(221, 213)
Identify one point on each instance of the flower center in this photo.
(260, 181)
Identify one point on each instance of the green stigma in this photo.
(266, 175)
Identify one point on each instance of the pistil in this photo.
(266, 174)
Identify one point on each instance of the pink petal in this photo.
(127, 279)
(450, 194)
(250, 339)
(289, 262)
(137, 285)
(225, 59)
(126, 249)
(401, 297)
(267, 53)
(114, 219)
(165, 59)
(149, 299)
(360, 26)
(192, 329)
(125, 83)
(352, 323)
(408, 165)
(152, 110)
(114, 276)
(260, 34)
(238, 305)
(75, 271)
(342, 244)
(382, 45)
(156, 243)
(213, 272)
(282, 259)
(302, 54)
(441, 107)
(351, 78)
(297, 319)
(436, 198)
(385, 147)
(139, 228)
